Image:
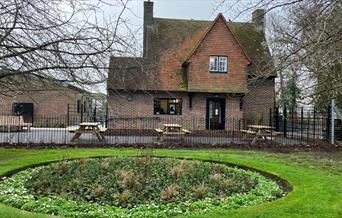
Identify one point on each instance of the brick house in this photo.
(219, 72)
(38, 99)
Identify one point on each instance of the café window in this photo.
(168, 106)
(218, 64)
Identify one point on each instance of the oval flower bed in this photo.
(135, 187)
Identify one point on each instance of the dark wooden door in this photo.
(215, 114)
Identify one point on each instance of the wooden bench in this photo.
(160, 131)
(171, 130)
(248, 132)
(11, 121)
(89, 127)
(259, 132)
(271, 133)
(73, 130)
(186, 131)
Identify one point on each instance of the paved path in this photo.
(63, 136)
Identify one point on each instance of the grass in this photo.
(316, 177)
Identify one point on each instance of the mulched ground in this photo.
(152, 132)
(326, 147)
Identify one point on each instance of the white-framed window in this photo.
(218, 64)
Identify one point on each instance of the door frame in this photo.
(223, 112)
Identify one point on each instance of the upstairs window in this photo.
(218, 64)
(169, 106)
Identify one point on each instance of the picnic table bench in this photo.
(259, 132)
(171, 130)
(89, 127)
(11, 121)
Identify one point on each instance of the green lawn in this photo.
(316, 177)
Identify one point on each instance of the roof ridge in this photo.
(209, 21)
(180, 19)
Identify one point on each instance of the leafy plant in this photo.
(177, 171)
(99, 191)
(200, 191)
(169, 192)
(216, 177)
(123, 198)
(127, 179)
(225, 184)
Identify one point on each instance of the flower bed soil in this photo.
(152, 132)
(326, 147)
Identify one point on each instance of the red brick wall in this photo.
(46, 103)
(219, 41)
(258, 101)
(141, 107)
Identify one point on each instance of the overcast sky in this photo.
(191, 9)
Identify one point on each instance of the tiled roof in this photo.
(170, 42)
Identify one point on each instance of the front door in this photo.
(215, 113)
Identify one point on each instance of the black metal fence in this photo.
(299, 126)
(304, 124)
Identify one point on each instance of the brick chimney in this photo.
(259, 19)
(148, 22)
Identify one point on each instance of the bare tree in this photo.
(307, 43)
(63, 40)
(305, 38)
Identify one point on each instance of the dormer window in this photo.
(218, 64)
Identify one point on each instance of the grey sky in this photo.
(191, 9)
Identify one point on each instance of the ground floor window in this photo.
(171, 106)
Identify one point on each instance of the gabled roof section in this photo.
(171, 42)
(219, 16)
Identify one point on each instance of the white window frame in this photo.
(213, 63)
(218, 64)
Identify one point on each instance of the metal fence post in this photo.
(328, 124)
(271, 125)
(94, 114)
(285, 121)
(106, 121)
(233, 129)
(301, 123)
(314, 123)
(308, 126)
(270, 118)
(68, 116)
(81, 113)
(292, 121)
(18, 130)
(332, 114)
(277, 119)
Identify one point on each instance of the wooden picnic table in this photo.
(16, 122)
(172, 129)
(89, 127)
(259, 132)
